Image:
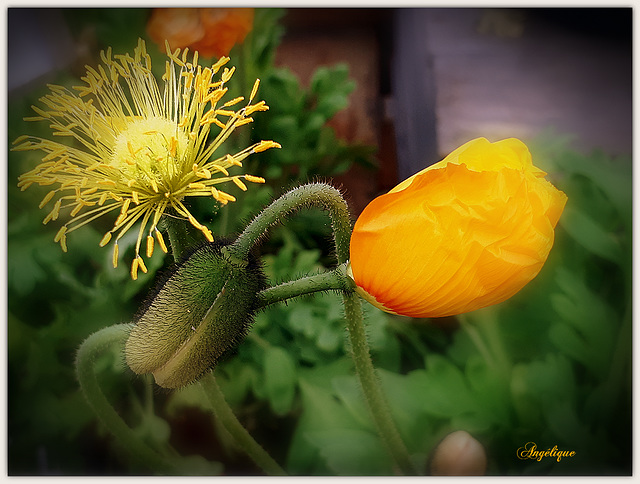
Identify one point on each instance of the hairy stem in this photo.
(327, 281)
(318, 195)
(182, 235)
(373, 393)
(326, 197)
(227, 418)
(93, 347)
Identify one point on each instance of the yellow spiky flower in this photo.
(138, 150)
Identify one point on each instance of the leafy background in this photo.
(552, 365)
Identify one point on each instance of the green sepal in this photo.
(202, 308)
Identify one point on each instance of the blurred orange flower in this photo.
(210, 31)
(463, 234)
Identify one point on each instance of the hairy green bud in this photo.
(199, 311)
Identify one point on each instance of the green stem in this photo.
(328, 198)
(371, 387)
(227, 418)
(333, 280)
(181, 239)
(182, 235)
(318, 195)
(93, 347)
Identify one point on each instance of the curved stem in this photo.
(373, 393)
(93, 347)
(318, 195)
(333, 280)
(326, 197)
(230, 422)
(181, 237)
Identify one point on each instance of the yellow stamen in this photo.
(132, 140)
(254, 179)
(115, 255)
(219, 168)
(160, 240)
(105, 240)
(60, 233)
(134, 269)
(76, 209)
(47, 198)
(149, 245)
(141, 264)
(265, 145)
(239, 183)
(254, 91)
(207, 233)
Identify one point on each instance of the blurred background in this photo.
(365, 98)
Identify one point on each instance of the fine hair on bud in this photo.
(201, 309)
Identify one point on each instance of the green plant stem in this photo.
(328, 198)
(181, 239)
(371, 387)
(93, 347)
(332, 280)
(227, 418)
(318, 195)
(182, 235)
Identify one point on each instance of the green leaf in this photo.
(445, 392)
(329, 339)
(586, 330)
(350, 452)
(331, 87)
(280, 379)
(306, 261)
(409, 407)
(591, 235)
(491, 393)
(544, 383)
(349, 391)
(302, 319)
(236, 378)
(321, 411)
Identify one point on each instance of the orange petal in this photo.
(457, 237)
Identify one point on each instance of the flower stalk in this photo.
(318, 195)
(334, 280)
(91, 349)
(330, 199)
(230, 422)
(312, 195)
(373, 393)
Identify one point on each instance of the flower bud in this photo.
(459, 454)
(463, 234)
(201, 309)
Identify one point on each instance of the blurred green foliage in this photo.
(551, 366)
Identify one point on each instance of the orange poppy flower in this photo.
(210, 31)
(462, 234)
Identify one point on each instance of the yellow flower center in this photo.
(149, 151)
